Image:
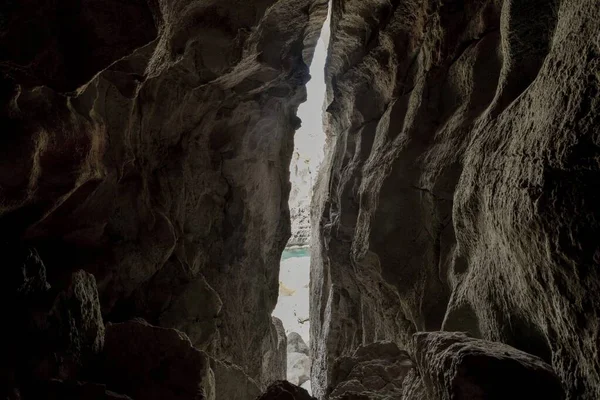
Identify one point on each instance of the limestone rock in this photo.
(148, 143)
(301, 179)
(459, 186)
(298, 368)
(274, 354)
(295, 344)
(375, 371)
(283, 390)
(231, 383)
(454, 366)
(149, 362)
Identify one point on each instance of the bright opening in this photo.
(293, 304)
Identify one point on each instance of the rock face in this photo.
(232, 383)
(274, 354)
(301, 179)
(454, 366)
(460, 186)
(148, 144)
(284, 390)
(298, 368)
(443, 366)
(144, 174)
(298, 360)
(295, 344)
(159, 363)
(375, 371)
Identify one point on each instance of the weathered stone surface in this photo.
(460, 185)
(231, 383)
(301, 179)
(148, 143)
(298, 360)
(274, 354)
(454, 366)
(375, 371)
(298, 368)
(283, 390)
(295, 344)
(413, 387)
(149, 362)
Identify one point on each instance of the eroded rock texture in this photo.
(375, 372)
(442, 366)
(148, 144)
(301, 179)
(460, 185)
(283, 390)
(454, 366)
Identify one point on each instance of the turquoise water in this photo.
(293, 253)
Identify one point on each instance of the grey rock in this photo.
(454, 366)
(274, 354)
(301, 178)
(295, 344)
(458, 190)
(298, 368)
(232, 383)
(151, 148)
(375, 371)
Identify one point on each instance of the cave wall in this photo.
(460, 185)
(148, 144)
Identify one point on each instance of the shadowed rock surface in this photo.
(283, 390)
(375, 371)
(460, 186)
(454, 366)
(144, 174)
(295, 344)
(148, 144)
(149, 362)
(232, 383)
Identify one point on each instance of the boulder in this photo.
(295, 344)
(298, 368)
(284, 390)
(375, 372)
(453, 366)
(274, 354)
(232, 383)
(150, 362)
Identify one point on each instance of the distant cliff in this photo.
(302, 171)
